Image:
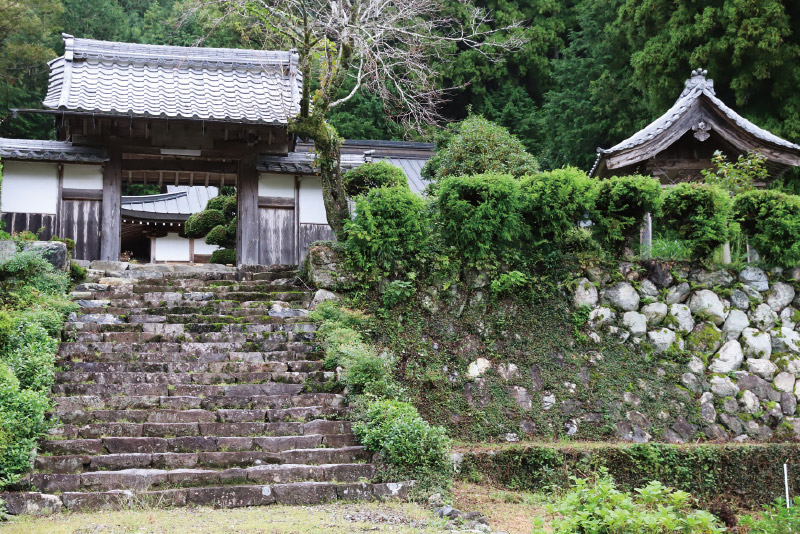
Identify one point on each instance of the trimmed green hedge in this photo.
(698, 214)
(772, 222)
(620, 204)
(372, 175)
(748, 475)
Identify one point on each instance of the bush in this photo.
(771, 220)
(76, 272)
(697, 214)
(479, 146)
(389, 232)
(620, 204)
(223, 236)
(223, 256)
(481, 215)
(599, 507)
(396, 431)
(227, 204)
(373, 175)
(553, 203)
(200, 223)
(774, 519)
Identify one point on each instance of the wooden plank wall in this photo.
(276, 237)
(80, 221)
(19, 222)
(310, 233)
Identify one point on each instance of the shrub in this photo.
(598, 506)
(223, 236)
(396, 292)
(771, 220)
(227, 204)
(479, 146)
(698, 214)
(224, 256)
(389, 232)
(554, 202)
(200, 223)
(620, 204)
(775, 518)
(397, 431)
(481, 215)
(76, 272)
(373, 175)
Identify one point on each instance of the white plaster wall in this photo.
(83, 177)
(312, 207)
(172, 247)
(275, 185)
(201, 247)
(29, 187)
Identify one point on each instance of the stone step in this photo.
(269, 341)
(82, 463)
(165, 430)
(251, 334)
(144, 478)
(150, 445)
(165, 328)
(230, 496)
(194, 390)
(283, 352)
(192, 367)
(113, 378)
(223, 415)
(151, 402)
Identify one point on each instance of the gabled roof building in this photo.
(677, 146)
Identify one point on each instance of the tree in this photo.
(217, 225)
(27, 43)
(478, 146)
(386, 48)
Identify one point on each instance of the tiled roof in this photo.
(303, 163)
(695, 88)
(216, 84)
(178, 200)
(26, 149)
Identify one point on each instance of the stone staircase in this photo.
(194, 387)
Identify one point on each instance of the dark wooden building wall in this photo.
(80, 221)
(33, 222)
(276, 236)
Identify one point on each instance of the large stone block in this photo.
(55, 252)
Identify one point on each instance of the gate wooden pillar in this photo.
(247, 233)
(111, 232)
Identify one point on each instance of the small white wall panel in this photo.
(29, 187)
(275, 185)
(172, 247)
(83, 177)
(312, 207)
(201, 247)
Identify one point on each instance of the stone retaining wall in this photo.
(736, 333)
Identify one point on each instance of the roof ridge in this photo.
(80, 48)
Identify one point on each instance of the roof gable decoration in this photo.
(698, 109)
(214, 84)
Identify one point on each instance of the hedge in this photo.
(698, 214)
(772, 222)
(748, 475)
(372, 175)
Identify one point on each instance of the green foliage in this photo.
(200, 223)
(34, 306)
(373, 175)
(775, 518)
(620, 204)
(478, 146)
(223, 236)
(224, 256)
(76, 272)
(389, 232)
(553, 203)
(227, 204)
(670, 249)
(597, 506)
(771, 220)
(403, 438)
(739, 176)
(481, 216)
(509, 282)
(396, 292)
(698, 214)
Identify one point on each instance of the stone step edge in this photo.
(299, 493)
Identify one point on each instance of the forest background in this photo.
(592, 72)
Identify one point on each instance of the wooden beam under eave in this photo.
(110, 239)
(247, 233)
